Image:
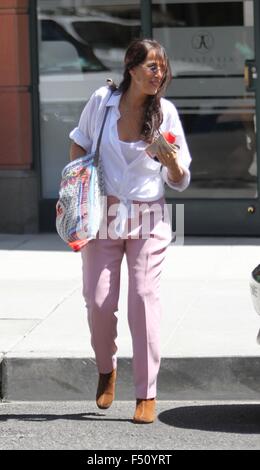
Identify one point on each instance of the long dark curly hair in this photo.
(136, 54)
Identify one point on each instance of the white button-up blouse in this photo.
(142, 179)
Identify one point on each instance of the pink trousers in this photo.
(102, 260)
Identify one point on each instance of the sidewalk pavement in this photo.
(80, 425)
(209, 326)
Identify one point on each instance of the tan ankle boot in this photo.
(106, 390)
(145, 411)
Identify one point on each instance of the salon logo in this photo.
(203, 42)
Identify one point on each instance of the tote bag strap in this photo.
(96, 157)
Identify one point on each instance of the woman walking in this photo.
(137, 112)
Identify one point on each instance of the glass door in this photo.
(211, 44)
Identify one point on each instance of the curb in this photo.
(190, 378)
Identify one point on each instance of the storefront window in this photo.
(208, 43)
(81, 44)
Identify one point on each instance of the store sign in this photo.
(207, 51)
(202, 42)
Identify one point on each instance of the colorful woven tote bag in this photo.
(79, 209)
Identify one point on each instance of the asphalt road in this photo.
(181, 425)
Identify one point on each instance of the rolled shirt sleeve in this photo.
(81, 134)
(182, 184)
(79, 138)
(173, 124)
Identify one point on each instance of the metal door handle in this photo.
(250, 75)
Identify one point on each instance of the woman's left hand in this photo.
(170, 160)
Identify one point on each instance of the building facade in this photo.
(55, 53)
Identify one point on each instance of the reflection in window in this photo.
(60, 52)
(208, 44)
(99, 35)
(81, 44)
(111, 45)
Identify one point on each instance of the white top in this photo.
(131, 150)
(142, 178)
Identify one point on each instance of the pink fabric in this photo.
(101, 283)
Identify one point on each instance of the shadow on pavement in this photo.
(237, 418)
(42, 417)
